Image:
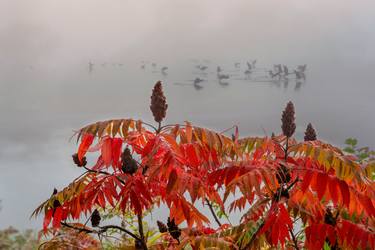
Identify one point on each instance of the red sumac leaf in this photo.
(57, 216)
(333, 185)
(107, 151)
(306, 180)
(86, 141)
(116, 151)
(321, 184)
(344, 193)
(172, 180)
(47, 220)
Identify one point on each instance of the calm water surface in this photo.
(42, 106)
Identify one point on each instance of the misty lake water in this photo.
(44, 105)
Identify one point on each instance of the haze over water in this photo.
(46, 90)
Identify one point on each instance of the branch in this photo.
(292, 184)
(102, 229)
(213, 212)
(105, 173)
(295, 242)
(140, 229)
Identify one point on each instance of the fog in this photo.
(46, 90)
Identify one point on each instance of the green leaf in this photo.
(351, 141)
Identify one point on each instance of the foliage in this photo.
(11, 238)
(292, 194)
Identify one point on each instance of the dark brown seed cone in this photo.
(310, 134)
(144, 170)
(138, 245)
(283, 175)
(288, 121)
(281, 193)
(162, 227)
(56, 204)
(329, 218)
(159, 104)
(173, 229)
(95, 218)
(129, 165)
(78, 162)
(54, 191)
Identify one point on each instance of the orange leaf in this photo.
(86, 141)
(189, 132)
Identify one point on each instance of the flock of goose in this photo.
(248, 71)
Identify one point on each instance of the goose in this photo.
(248, 72)
(286, 71)
(203, 68)
(249, 66)
(273, 74)
(302, 68)
(197, 86)
(222, 76)
(198, 80)
(298, 74)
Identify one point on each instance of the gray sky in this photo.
(46, 92)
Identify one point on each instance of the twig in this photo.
(105, 173)
(295, 242)
(102, 229)
(292, 184)
(213, 212)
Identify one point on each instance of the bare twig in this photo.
(103, 229)
(295, 242)
(213, 212)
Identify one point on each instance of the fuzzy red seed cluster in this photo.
(288, 120)
(159, 104)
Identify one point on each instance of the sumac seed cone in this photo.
(288, 124)
(129, 165)
(173, 229)
(56, 204)
(310, 134)
(283, 175)
(138, 245)
(329, 218)
(159, 104)
(162, 227)
(95, 218)
(78, 162)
